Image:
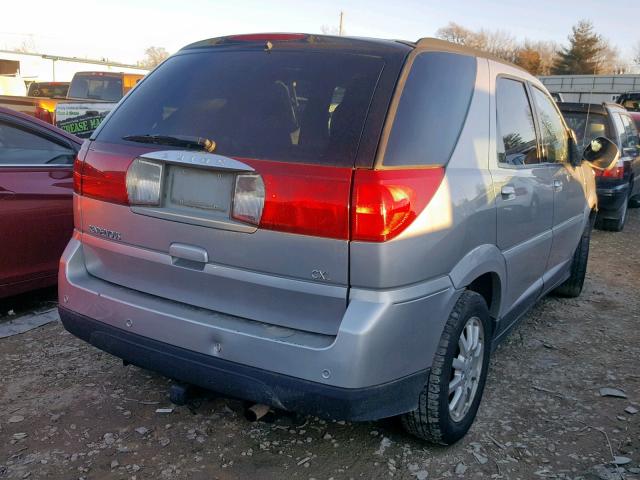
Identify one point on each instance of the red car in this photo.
(36, 195)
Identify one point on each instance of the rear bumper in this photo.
(241, 381)
(374, 367)
(610, 199)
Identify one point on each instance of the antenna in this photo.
(586, 122)
(340, 29)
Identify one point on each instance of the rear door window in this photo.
(432, 110)
(631, 133)
(555, 140)
(22, 147)
(292, 106)
(516, 144)
(586, 127)
(96, 87)
(620, 134)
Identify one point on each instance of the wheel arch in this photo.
(483, 270)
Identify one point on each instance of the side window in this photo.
(587, 127)
(620, 134)
(432, 110)
(555, 140)
(516, 142)
(22, 147)
(632, 105)
(632, 140)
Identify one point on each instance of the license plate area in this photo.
(198, 196)
(198, 191)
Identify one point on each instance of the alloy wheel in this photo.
(466, 369)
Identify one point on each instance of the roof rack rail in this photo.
(408, 43)
(438, 44)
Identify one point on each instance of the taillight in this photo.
(385, 202)
(78, 164)
(77, 175)
(615, 172)
(144, 182)
(102, 176)
(248, 198)
(295, 198)
(263, 37)
(43, 114)
(286, 197)
(315, 200)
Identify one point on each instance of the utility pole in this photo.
(340, 30)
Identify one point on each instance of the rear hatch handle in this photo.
(188, 256)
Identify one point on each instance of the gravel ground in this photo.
(70, 411)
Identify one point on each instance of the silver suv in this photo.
(342, 227)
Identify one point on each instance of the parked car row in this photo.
(323, 224)
(77, 107)
(630, 101)
(36, 191)
(618, 188)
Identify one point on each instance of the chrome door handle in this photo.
(508, 192)
(557, 185)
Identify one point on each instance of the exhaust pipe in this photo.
(256, 412)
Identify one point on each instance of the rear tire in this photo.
(572, 287)
(614, 224)
(634, 202)
(438, 419)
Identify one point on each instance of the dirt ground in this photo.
(70, 411)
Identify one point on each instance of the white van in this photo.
(12, 85)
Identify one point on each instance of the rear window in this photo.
(586, 129)
(432, 110)
(630, 101)
(96, 87)
(293, 106)
(48, 90)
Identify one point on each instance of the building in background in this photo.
(37, 67)
(591, 88)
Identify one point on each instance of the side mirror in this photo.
(601, 153)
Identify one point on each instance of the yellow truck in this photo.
(90, 97)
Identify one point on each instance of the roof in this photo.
(587, 107)
(40, 124)
(442, 45)
(426, 43)
(297, 39)
(107, 74)
(50, 83)
(617, 75)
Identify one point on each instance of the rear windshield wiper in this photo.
(175, 141)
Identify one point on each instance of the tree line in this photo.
(586, 53)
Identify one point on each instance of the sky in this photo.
(120, 30)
